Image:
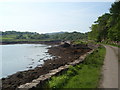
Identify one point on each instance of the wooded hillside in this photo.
(28, 36)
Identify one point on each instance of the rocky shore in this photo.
(64, 54)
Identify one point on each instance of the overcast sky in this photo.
(44, 17)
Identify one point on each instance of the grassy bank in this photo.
(19, 40)
(112, 44)
(85, 75)
(93, 42)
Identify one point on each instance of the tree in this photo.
(108, 25)
(115, 9)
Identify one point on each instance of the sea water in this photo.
(20, 57)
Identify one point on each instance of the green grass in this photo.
(112, 44)
(107, 42)
(93, 42)
(84, 42)
(20, 40)
(12, 38)
(80, 42)
(86, 78)
(85, 75)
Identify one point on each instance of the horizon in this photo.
(47, 32)
(47, 17)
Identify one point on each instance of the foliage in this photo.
(107, 27)
(115, 8)
(109, 43)
(23, 35)
(85, 75)
(69, 36)
(81, 42)
(30, 36)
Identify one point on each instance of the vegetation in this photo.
(69, 36)
(110, 43)
(86, 75)
(107, 27)
(14, 35)
(33, 36)
(81, 76)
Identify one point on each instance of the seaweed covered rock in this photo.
(65, 45)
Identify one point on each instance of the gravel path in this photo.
(110, 68)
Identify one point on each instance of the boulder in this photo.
(65, 45)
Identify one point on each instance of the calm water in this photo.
(20, 57)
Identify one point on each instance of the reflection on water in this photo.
(19, 57)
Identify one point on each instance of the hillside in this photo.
(12, 36)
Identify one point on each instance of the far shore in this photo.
(52, 42)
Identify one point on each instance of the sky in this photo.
(51, 16)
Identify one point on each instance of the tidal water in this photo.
(20, 57)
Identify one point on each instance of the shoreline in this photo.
(52, 42)
(23, 77)
(33, 62)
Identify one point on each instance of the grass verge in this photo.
(85, 75)
(112, 44)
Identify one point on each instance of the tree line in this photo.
(107, 26)
(33, 35)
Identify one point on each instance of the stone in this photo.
(35, 83)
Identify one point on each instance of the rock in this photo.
(20, 76)
(3, 78)
(30, 67)
(80, 46)
(55, 63)
(65, 45)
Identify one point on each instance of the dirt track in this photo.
(110, 68)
